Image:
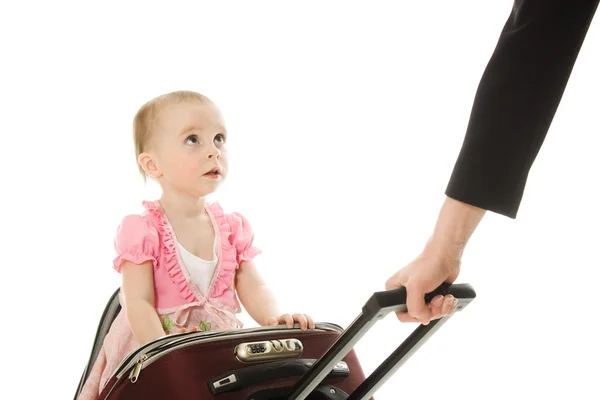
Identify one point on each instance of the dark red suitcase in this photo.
(266, 363)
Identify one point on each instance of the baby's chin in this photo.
(210, 187)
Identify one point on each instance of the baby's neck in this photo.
(182, 206)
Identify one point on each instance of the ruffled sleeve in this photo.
(136, 241)
(242, 238)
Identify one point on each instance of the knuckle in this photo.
(414, 285)
(396, 280)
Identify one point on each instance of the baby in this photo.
(184, 262)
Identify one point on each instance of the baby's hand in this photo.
(304, 319)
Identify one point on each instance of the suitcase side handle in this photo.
(377, 307)
(239, 379)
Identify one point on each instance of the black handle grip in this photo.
(236, 380)
(382, 303)
(377, 307)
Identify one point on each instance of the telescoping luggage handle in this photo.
(376, 308)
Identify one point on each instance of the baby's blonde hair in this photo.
(145, 119)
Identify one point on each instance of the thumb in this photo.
(418, 286)
(415, 302)
(415, 295)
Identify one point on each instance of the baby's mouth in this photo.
(213, 172)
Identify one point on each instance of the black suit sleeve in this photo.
(516, 100)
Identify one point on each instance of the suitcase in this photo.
(265, 363)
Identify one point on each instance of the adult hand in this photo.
(438, 263)
(421, 276)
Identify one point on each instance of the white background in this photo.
(345, 120)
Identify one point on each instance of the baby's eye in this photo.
(192, 139)
(220, 138)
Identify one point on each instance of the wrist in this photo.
(271, 310)
(265, 320)
(444, 251)
(456, 223)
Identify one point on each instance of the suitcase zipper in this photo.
(149, 356)
(138, 367)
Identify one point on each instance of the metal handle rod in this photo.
(385, 371)
(336, 352)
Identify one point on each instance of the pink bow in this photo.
(181, 316)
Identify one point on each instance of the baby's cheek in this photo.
(191, 167)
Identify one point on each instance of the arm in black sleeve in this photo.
(516, 100)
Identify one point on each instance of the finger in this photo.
(448, 305)
(436, 307)
(302, 320)
(415, 302)
(311, 322)
(452, 306)
(289, 321)
(405, 317)
(273, 321)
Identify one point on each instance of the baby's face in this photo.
(189, 147)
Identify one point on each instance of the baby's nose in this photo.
(214, 152)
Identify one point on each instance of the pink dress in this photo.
(178, 302)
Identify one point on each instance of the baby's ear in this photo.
(146, 160)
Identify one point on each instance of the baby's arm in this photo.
(259, 301)
(138, 288)
(256, 297)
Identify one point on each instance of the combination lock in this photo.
(268, 350)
